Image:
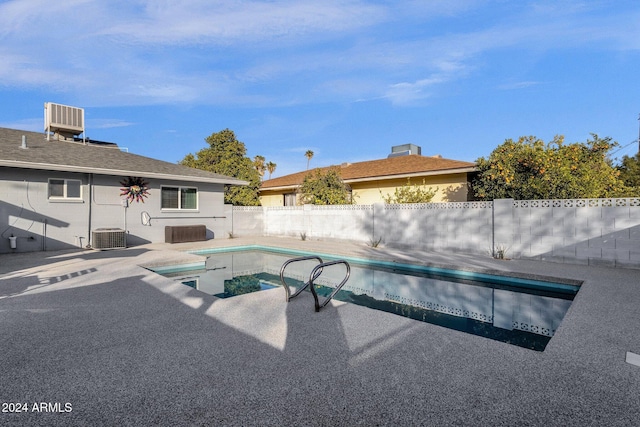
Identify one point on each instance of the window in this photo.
(179, 198)
(290, 199)
(70, 189)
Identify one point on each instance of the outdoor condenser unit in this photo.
(63, 119)
(108, 238)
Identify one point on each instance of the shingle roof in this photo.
(393, 167)
(93, 158)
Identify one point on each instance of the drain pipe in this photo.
(13, 242)
(89, 242)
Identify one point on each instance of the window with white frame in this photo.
(180, 198)
(289, 199)
(65, 189)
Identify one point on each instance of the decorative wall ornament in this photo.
(135, 189)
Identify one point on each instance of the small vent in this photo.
(108, 238)
(63, 120)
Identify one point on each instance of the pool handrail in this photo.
(284, 282)
(317, 271)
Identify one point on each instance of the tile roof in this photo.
(393, 167)
(103, 159)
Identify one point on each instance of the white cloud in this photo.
(223, 22)
(280, 52)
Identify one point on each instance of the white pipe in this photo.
(13, 241)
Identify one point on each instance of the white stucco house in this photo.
(58, 193)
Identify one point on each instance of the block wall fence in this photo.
(603, 232)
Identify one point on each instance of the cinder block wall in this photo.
(585, 231)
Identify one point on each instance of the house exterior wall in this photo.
(40, 223)
(450, 188)
(272, 198)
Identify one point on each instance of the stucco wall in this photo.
(43, 224)
(449, 188)
(271, 198)
(39, 223)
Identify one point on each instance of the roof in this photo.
(374, 170)
(99, 158)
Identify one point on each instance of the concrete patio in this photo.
(124, 346)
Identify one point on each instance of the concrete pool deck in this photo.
(124, 346)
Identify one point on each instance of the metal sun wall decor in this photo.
(135, 189)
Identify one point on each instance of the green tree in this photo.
(630, 172)
(410, 193)
(226, 155)
(325, 188)
(529, 169)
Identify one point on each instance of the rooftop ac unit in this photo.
(108, 238)
(63, 120)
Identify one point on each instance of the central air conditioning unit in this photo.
(108, 238)
(62, 120)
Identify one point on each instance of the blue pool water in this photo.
(518, 311)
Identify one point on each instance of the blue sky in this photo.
(345, 79)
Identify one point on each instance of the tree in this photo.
(530, 169)
(630, 172)
(226, 155)
(410, 193)
(271, 167)
(325, 188)
(308, 155)
(259, 164)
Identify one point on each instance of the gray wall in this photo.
(584, 231)
(43, 224)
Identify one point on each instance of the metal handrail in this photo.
(317, 271)
(284, 282)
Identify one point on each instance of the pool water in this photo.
(518, 311)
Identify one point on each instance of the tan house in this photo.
(371, 180)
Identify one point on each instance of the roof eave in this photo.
(116, 172)
(413, 174)
(384, 177)
(281, 187)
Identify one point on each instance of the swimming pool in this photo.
(517, 310)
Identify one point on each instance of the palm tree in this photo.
(271, 167)
(258, 162)
(308, 155)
